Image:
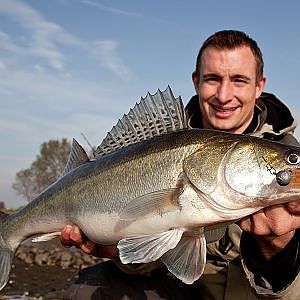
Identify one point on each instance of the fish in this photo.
(157, 189)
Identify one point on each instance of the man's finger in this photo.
(65, 236)
(76, 235)
(294, 207)
(88, 247)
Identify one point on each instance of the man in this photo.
(264, 259)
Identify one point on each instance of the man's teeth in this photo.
(224, 109)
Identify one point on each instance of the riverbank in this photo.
(45, 270)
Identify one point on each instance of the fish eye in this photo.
(293, 159)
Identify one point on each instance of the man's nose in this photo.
(225, 91)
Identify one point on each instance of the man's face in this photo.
(227, 88)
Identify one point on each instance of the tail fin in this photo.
(6, 257)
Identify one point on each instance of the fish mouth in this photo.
(295, 180)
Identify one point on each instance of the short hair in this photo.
(231, 39)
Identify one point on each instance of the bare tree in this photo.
(47, 167)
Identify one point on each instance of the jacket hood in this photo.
(275, 117)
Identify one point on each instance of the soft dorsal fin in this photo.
(153, 115)
(76, 158)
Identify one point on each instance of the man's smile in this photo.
(223, 111)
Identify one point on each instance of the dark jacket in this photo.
(228, 272)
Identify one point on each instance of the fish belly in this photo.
(108, 229)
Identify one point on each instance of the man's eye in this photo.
(240, 80)
(211, 79)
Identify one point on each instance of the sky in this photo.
(73, 67)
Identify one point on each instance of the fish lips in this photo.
(295, 178)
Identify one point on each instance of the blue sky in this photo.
(75, 66)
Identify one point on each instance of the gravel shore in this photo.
(44, 270)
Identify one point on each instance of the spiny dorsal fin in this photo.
(76, 158)
(154, 115)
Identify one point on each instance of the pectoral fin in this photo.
(147, 248)
(46, 237)
(215, 232)
(157, 202)
(187, 260)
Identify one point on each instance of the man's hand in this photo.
(71, 235)
(273, 227)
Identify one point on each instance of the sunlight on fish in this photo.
(158, 189)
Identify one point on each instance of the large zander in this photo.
(158, 189)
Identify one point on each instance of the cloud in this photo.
(43, 39)
(38, 105)
(111, 9)
(7, 44)
(38, 68)
(41, 36)
(106, 53)
(2, 65)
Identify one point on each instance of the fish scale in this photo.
(158, 194)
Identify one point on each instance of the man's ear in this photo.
(196, 80)
(260, 86)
